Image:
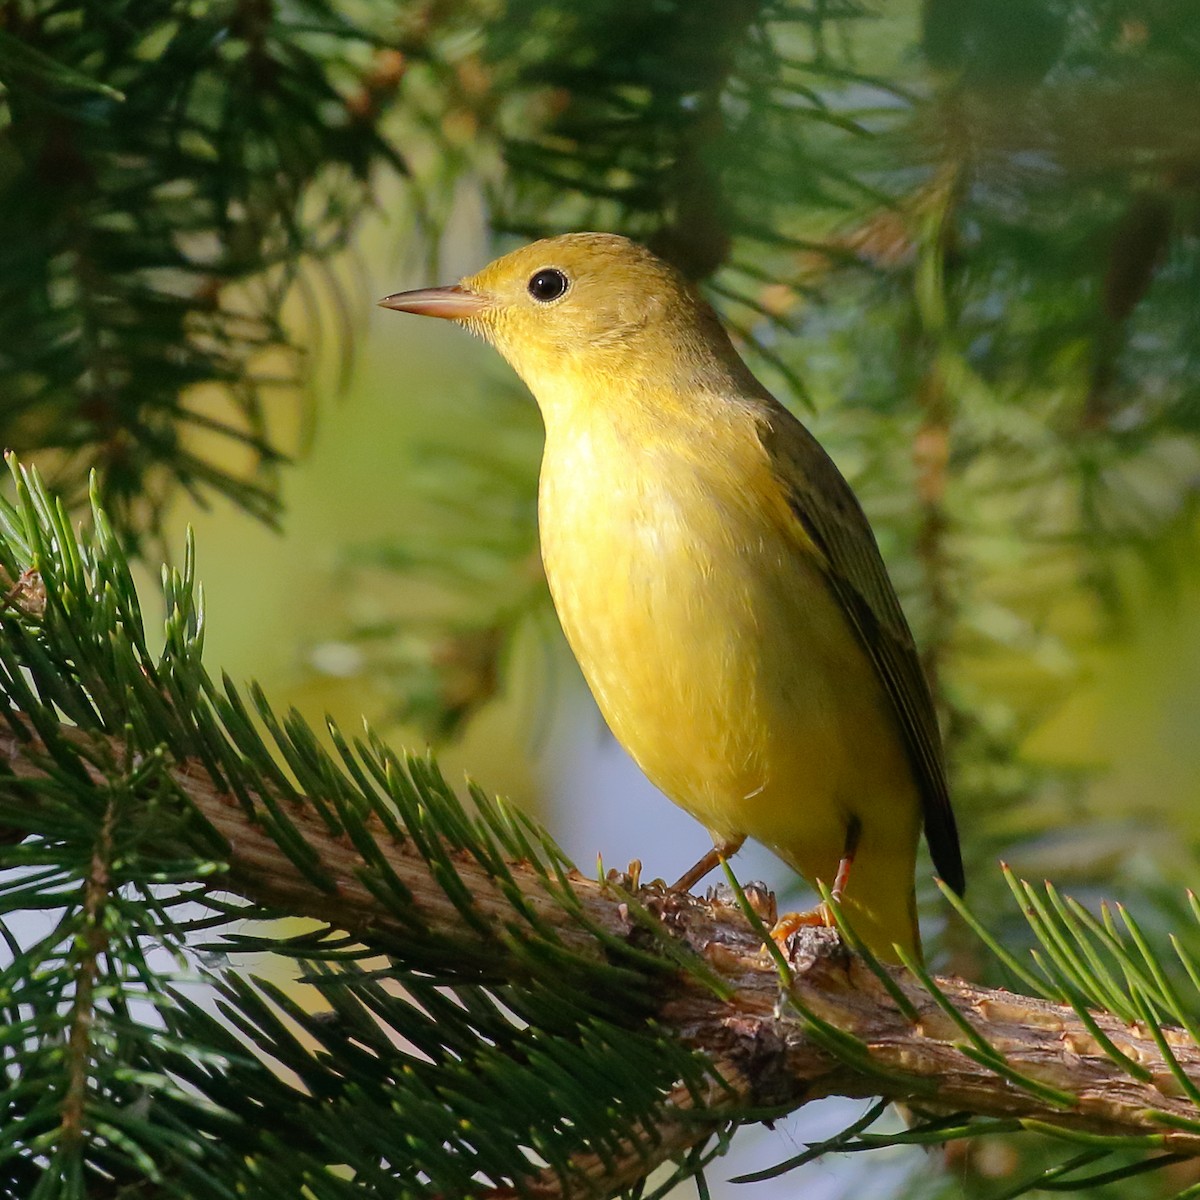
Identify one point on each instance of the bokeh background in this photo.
(960, 238)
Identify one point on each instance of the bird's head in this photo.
(575, 308)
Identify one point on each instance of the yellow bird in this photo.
(716, 578)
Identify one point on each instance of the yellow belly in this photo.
(721, 661)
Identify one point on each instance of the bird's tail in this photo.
(880, 903)
(881, 931)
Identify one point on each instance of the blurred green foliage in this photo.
(962, 237)
(165, 169)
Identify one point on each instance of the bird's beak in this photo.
(454, 303)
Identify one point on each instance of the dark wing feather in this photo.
(831, 516)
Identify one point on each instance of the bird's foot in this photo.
(790, 922)
(822, 915)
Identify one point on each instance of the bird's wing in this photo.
(831, 516)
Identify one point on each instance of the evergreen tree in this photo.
(963, 240)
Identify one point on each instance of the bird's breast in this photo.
(699, 617)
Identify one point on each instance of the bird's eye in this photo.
(547, 285)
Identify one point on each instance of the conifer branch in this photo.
(1026, 1058)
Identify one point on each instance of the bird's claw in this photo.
(821, 916)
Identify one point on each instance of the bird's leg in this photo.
(821, 915)
(843, 874)
(717, 855)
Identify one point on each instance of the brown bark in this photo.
(760, 1035)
